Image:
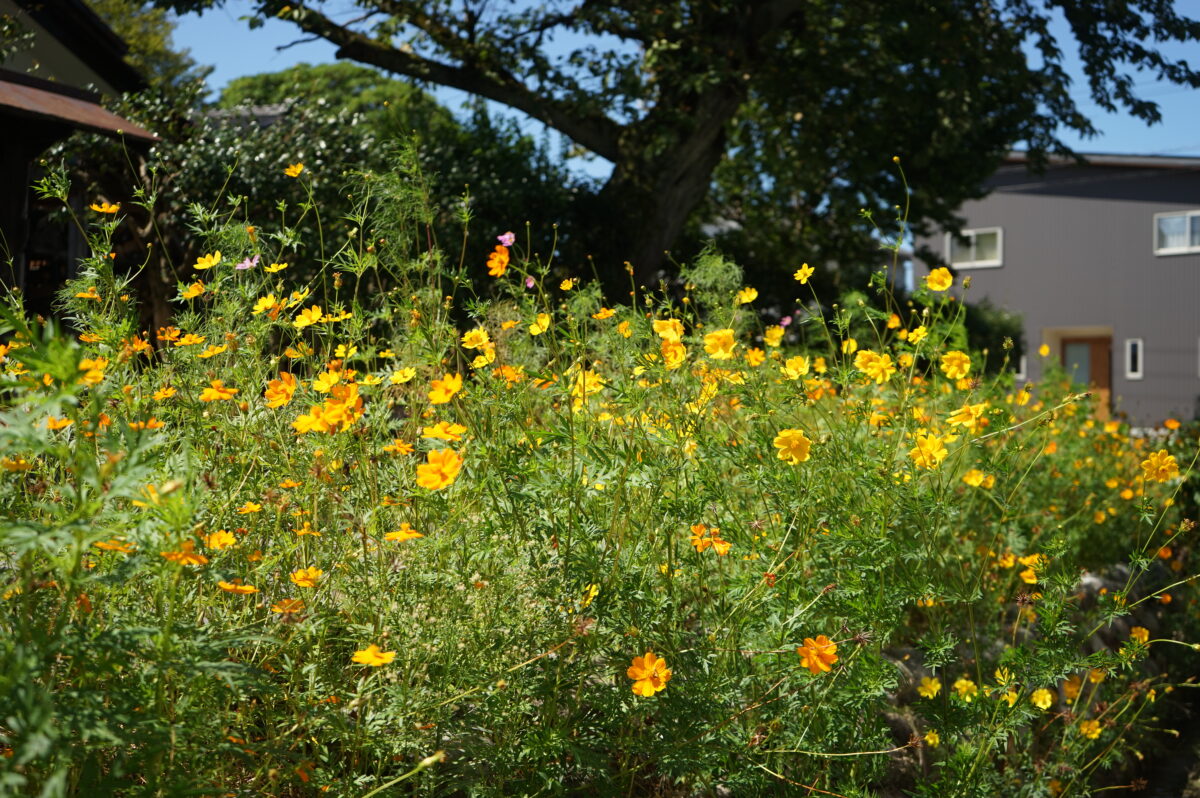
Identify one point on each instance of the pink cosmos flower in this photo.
(248, 263)
(785, 321)
(529, 282)
(506, 239)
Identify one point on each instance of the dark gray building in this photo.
(1103, 263)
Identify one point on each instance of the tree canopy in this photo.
(791, 109)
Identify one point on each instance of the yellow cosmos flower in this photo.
(650, 674)
(793, 446)
(604, 313)
(720, 344)
(674, 353)
(932, 738)
(955, 365)
(275, 267)
(405, 532)
(476, 339)
(217, 392)
(1041, 698)
(966, 689)
(567, 285)
(308, 317)
(443, 390)
(444, 431)
(929, 687)
(373, 656)
(746, 296)
(939, 279)
(194, 290)
(795, 367)
(219, 540)
(401, 376)
(969, 416)
(803, 273)
(917, 335)
(294, 170)
(1140, 633)
(326, 380)
(207, 261)
(773, 336)
(668, 329)
(624, 329)
(929, 452)
(1090, 729)
(212, 350)
(306, 577)
(105, 207)
(250, 507)
(876, 366)
(540, 324)
(1160, 467)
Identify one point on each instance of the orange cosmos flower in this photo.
(237, 587)
(441, 470)
(817, 655)
(650, 674)
(105, 207)
(497, 262)
(443, 390)
(287, 606)
(398, 446)
(186, 555)
(279, 392)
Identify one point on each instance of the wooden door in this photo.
(1089, 361)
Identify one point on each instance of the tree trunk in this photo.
(656, 185)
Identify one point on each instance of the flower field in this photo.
(372, 533)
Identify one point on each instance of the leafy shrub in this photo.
(378, 535)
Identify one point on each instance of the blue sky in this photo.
(219, 38)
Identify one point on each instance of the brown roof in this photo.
(32, 98)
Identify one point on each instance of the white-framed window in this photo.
(1022, 373)
(1135, 353)
(980, 248)
(1177, 232)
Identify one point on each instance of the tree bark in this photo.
(656, 185)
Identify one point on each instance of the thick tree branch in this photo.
(594, 131)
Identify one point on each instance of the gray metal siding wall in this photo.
(1080, 261)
